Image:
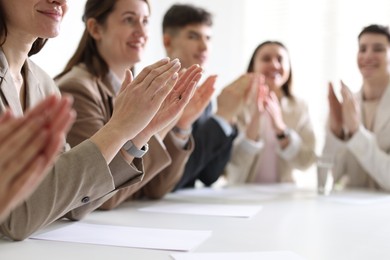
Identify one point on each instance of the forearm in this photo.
(363, 145)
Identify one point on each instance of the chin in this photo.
(52, 34)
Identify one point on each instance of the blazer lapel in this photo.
(382, 114)
(34, 88)
(8, 94)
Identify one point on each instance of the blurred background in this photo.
(321, 37)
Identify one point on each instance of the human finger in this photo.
(20, 138)
(128, 79)
(27, 154)
(148, 69)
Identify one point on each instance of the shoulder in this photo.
(77, 76)
(78, 81)
(39, 73)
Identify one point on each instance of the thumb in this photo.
(127, 81)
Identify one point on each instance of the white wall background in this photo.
(321, 36)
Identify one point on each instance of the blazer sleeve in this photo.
(94, 110)
(300, 153)
(243, 157)
(155, 160)
(165, 181)
(363, 145)
(78, 177)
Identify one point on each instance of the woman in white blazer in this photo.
(276, 134)
(359, 126)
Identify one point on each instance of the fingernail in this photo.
(177, 64)
(174, 76)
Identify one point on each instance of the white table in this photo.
(294, 220)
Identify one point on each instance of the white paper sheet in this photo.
(243, 211)
(281, 255)
(165, 239)
(231, 194)
(358, 197)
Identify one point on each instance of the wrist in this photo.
(182, 131)
(140, 140)
(114, 130)
(182, 125)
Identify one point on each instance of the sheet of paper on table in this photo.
(271, 255)
(150, 238)
(224, 210)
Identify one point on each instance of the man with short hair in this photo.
(186, 35)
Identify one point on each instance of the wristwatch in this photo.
(283, 135)
(132, 150)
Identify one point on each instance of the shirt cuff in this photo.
(226, 127)
(179, 142)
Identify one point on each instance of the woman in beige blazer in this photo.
(276, 134)
(81, 179)
(114, 39)
(359, 126)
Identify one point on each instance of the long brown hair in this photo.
(287, 87)
(36, 46)
(87, 51)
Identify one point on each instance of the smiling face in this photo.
(272, 61)
(373, 56)
(33, 18)
(121, 39)
(191, 44)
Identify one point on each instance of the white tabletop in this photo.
(300, 221)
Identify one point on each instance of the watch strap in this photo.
(132, 150)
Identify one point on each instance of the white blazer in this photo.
(364, 160)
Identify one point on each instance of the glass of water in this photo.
(324, 174)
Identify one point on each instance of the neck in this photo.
(374, 88)
(118, 69)
(16, 51)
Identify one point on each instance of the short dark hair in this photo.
(376, 28)
(287, 87)
(181, 15)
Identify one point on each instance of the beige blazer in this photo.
(93, 102)
(299, 154)
(79, 181)
(364, 160)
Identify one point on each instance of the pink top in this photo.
(267, 168)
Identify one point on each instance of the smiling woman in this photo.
(80, 180)
(114, 39)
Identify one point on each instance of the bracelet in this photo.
(178, 130)
(132, 150)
